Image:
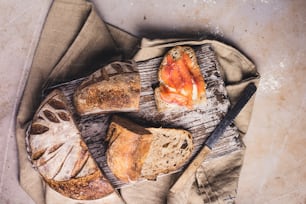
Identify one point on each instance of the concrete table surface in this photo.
(271, 33)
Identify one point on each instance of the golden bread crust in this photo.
(129, 145)
(109, 90)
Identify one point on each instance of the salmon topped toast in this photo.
(181, 81)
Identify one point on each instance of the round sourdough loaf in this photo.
(59, 154)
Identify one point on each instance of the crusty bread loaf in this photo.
(129, 145)
(115, 87)
(58, 152)
(135, 152)
(182, 85)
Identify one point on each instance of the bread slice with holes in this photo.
(170, 150)
(182, 84)
(114, 87)
(135, 152)
(57, 151)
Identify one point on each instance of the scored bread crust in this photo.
(128, 147)
(115, 87)
(59, 154)
(135, 152)
(176, 53)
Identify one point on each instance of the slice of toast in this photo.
(182, 85)
(170, 149)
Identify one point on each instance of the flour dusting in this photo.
(210, 1)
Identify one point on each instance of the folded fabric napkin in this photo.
(73, 43)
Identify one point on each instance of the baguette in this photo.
(59, 154)
(182, 85)
(135, 152)
(115, 87)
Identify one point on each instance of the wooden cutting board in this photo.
(200, 122)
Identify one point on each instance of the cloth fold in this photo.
(74, 42)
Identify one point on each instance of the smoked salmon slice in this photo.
(182, 82)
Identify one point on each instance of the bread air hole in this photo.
(176, 54)
(165, 135)
(184, 145)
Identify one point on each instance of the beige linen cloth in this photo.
(73, 42)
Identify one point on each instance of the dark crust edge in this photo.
(91, 187)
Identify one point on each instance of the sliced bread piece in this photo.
(182, 85)
(135, 152)
(115, 87)
(170, 149)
